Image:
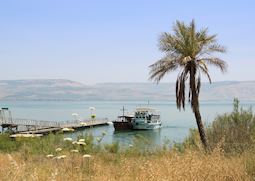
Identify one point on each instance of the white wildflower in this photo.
(75, 151)
(58, 149)
(86, 156)
(61, 157)
(80, 143)
(74, 142)
(68, 139)
(49, 156)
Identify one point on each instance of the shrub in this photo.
(112, 148)
(234, 132)
(7, 144)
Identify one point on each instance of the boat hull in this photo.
(122, 125)
(146, 126)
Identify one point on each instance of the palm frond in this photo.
(183, 38)
(180, 89)
(161, 67)
(204, 70)
(216, 48)
(198, 84)
(215, 62)
(167, 42)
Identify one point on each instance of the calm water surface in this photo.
(176, 124)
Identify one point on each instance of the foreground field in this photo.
(57, 157)
(191, 165)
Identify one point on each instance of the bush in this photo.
(112, 148)
(234, 132)
(191, 142)
(35, 145)
(7, 144)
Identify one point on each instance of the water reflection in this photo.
(124, 138)
(150, 137)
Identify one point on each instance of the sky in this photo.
(94, 41)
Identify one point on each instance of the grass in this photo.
(108, 162)
(171, 165)
(55, 157)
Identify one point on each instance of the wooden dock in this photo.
(28, 126)
(68, 126)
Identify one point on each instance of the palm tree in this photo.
(190, 51)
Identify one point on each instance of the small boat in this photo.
(146, 118)
(123, 122)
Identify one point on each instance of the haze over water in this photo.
(176, 124)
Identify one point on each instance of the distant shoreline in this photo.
(139, 101)
(67, 90)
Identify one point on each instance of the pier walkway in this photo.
(29, 126)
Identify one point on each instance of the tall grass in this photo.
(191, 165)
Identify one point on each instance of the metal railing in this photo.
(52, 124)
(77, 123)
(37, 123)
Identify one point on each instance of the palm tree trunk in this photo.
(201, 128)
(195, 108)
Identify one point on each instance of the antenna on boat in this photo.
(123, 110)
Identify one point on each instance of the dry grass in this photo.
(191, 165)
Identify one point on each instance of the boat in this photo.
(123, 122)
(146, 118)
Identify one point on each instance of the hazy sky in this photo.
(115, 41)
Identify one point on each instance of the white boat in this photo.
(146, 118)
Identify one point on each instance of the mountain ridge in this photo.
(64, 90)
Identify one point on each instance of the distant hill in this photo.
(60, 89)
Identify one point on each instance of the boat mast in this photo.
(123, 111)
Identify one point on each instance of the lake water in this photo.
(176, 124)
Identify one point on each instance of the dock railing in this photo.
(36, 123)
(41, 126)
(83, 123)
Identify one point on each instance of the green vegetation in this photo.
(32, 145)
(85, 144)
(190, 51)
(233, 132)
